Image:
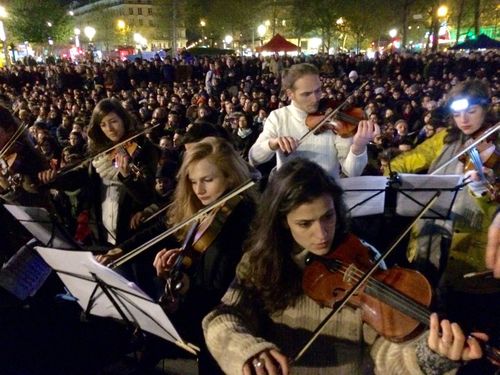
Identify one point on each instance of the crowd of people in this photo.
(120, 151)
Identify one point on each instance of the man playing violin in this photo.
(285, 126)
(266, 317)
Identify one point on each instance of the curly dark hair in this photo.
(271, 271)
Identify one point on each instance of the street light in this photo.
(77, 32)
(442, 11)
(227, 40)
(393, 33)
(203, 23)
(140, 40)
(120, 24)
(261, 31)
(3, 36)
(89, 32)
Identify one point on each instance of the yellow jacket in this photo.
(461, 240)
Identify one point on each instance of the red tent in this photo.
(277, 44)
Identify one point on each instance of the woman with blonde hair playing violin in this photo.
(210, 169)
(265, 316)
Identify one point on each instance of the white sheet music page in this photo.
(364, 195)
(79, 271)
(424, 187)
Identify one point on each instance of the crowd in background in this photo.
(174, 101)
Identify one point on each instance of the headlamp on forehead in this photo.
(461, 104)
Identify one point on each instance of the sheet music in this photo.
(364, 195)
(77, 269)
(24, 273)
(37, 221)
(425, 187)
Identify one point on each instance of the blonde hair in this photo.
(222, 154)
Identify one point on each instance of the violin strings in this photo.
(402, 302)
(478, 164)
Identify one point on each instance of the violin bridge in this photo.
(350, 274)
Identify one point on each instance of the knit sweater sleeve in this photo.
(230, 331)
(260, 152)
(410, 358)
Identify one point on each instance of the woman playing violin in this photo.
(115, 192)
(449, 249)
(210, 168)
(265, 316)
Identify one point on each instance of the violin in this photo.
(394, 302)
(198, 239)
(130, 149)
(343, 122)
(201, 213)
(9, 179)
(389, 301)
(347, 120)
(487, 154)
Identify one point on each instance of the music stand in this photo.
(25, 272)
(102, 292)
(38, 221)
(402, 194)
(416, 189)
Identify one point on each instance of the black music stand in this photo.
(401, 194)
(382, 206)
(25, 272)
(102, 292)
(39, 222)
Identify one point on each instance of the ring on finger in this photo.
(258, 363)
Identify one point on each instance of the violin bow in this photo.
(19, 131)
(72, 167)
(468, 148)
(329, 115)
(118, 262)
(339, 305)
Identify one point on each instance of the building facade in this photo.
(139, 23)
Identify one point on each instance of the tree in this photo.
(37, 21)
(367, 25)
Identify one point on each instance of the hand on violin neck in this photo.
(164, 261)
(367, 130)
(287, 145)
(47, 176)
(492, 257)
(448, 340)
(122, 162)
(477, 185)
